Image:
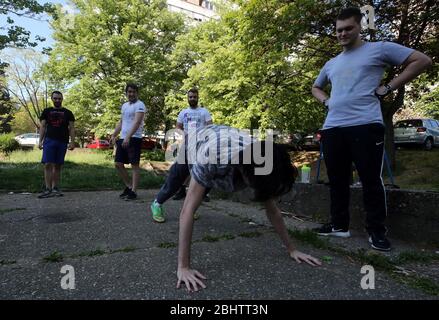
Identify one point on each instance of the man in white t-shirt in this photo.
(195, 117)
(128, 147)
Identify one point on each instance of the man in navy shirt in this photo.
(353, 130)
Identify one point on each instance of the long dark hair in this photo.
(278, 182)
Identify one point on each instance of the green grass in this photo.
(93, 253)
(167, 245)
(253, 234)
(7, 262)
(83, 170)
(414, 256)
(124, 250)
(415, 169)
(2, 211)
(59, 257)
(54, 257)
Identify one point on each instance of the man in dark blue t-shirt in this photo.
(56, 126)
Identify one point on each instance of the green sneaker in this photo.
(158, 213)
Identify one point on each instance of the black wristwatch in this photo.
(388, 90)
(324, 102)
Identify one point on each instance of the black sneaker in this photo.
(47, 193)
(329, 229)
(379, 241)
(131, 196)
(181, 194)
(57, 192)
(206, 198)
(125, 193)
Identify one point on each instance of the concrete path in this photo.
(118, 252)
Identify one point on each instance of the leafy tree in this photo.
(28, 84)
(16, 36)
(259, 66)
(110, 43)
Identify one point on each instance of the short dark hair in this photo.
(193, 90)
(350, 12)
(278, 182)
(132, 86)
(56, 92)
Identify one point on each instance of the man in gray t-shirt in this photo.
(353, 130)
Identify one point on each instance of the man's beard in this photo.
(193, 103)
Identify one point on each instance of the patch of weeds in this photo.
(93, 253)
(375, 259)
(426, 285)
(54, 257)
(310, 237)
(416, 256)
(124, 250)
(167, 245)
(209, 238)
(7, 262)
(327, 259)
(2, 211)
(253, 234)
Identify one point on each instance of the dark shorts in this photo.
(130, 155)
(54, 151)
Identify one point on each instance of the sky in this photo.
(39, 27)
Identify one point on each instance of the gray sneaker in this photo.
(47, 193)
(57, 192)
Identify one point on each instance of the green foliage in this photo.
(22, 123)
(13, 35)
(8, 144)
(114, 42)
(429, 103)
(153, 155)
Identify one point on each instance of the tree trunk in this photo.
(388, 109)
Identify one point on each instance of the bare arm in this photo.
(275, 216)
(184, 273)
(72, 135)
(116, 132)
(319, 94)
(42, 132)
(415, 64)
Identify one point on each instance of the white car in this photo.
(424, 132)
(28, 139)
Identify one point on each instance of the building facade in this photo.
(196, 10)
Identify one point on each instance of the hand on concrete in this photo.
(191, 278)
(300, 256)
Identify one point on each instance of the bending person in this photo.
(232, 177)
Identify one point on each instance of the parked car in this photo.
(98, 144)
(150, 144)
(311, 141)
(423, 132)
(28, 140)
